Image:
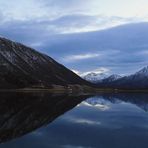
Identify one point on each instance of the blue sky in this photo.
(71, 32)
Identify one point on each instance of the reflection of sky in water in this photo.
(96, 122)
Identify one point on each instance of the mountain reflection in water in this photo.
(21, 113)
(107, 120)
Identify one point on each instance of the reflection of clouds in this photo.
(73, 58)
(86, 121)
(76, 120)
(86, 104)
(102, 107)
(99, 103)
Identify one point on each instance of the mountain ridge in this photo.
(22, 66)
(138, 80)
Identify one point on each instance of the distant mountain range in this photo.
(101, 77)
(139, 80)
(21, 67)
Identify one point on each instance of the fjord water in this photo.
(44, 120)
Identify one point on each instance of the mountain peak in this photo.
(143, 71)
(94, 77)
(111, 78)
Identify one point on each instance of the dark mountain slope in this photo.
(21, 66)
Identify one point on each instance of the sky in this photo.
(83, 35)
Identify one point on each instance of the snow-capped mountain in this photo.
(111, 78)
(95, 77)
(101, 77)
(139, 80)
(143, 72)
(21, 66)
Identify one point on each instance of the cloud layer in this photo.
(71, 31)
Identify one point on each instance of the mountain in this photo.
(111, 78)
(139, 80)
(143, 72)
(100, 78)
(21, 67)
(94, 77)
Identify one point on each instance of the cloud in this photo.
(52, 17)
(21, 10)
(72, 58)
(101, 70)
(82, 51)
(101, 107)
(39, 29)
(82, 121)
(71, 31)
(142, 52)
(96, 7)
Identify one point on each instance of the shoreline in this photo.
(67, 91)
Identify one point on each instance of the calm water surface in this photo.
(43, 120)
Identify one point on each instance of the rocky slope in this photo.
(21, 66)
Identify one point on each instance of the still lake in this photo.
(42, 120)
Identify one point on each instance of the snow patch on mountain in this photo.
(143, 72)
(95, 77)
